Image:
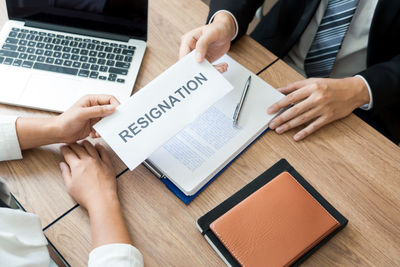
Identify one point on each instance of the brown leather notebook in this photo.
(275, 225)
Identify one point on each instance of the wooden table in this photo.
(348, 162)
(39, 166)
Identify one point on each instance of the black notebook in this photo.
(281, 166)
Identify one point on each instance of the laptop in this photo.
(52, 52)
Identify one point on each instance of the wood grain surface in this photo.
(35, 181)
(349, 163)
(355, 168)
(358, 171)
(169, 21)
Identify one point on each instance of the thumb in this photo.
(97, 111)
(202, 45)
(65, 173)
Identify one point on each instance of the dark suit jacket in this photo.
(282, 27)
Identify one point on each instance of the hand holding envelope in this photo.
(161, 109)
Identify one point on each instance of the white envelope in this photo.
(161, 109)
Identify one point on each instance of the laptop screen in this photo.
(125, 17)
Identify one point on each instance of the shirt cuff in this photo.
(120, 255)
(236, 23)
(9, 143)
(370, 104)
(22, 242)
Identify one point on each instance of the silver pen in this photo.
(241, 101)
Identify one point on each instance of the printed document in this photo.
(161, 109)
(201, 150)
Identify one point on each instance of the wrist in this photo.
(54, 130)
(361, 96)
(103, 204)
(229, 23)
(34, 132)
(107, 223)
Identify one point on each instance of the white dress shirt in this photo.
(351, 58)
(9, 145)
(22, 242)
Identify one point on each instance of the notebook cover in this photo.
(275, 225)
(281, 166)
(187, 199)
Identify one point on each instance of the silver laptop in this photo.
(52, 52)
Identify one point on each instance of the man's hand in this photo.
(211, 41)
(319, 102)
(74, 124)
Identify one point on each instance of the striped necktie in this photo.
(328, 40)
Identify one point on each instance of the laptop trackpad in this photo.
(50, 92)
(13, 83)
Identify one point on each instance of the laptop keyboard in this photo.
(65, 54)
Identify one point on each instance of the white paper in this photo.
(201, 150)
(161, 109)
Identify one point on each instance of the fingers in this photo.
(293, 97)
(65, 173)
(311, 128)
(94, 100)
(290, 113)
(94, 121)
(202, 45)
(90, 149)
(94, 134)
(79, 150)
(69, 155)
(97, 111)
(188, 43)
(296, 85)
(184, 50)
(97, 106)
(104, 100)
(292, 87)
(221, 67)
(74, 152)
(297, 121)
(103, 154)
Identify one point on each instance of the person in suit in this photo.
(348, 49)
(89, 177)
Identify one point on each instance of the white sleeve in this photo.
(226, 11)
(116, 255)
(370, 104)
(9, 144)
(22, 242)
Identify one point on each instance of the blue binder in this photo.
(170, 185)
(174, 189)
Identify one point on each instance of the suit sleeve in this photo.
(243, 10)
(384, 81)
